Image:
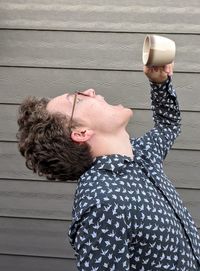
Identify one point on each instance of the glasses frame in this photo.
(73, 107)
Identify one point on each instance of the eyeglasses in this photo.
(73, 107)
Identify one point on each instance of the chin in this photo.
(129, 112)
(124, 114)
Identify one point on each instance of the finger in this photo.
(147, 69)
(167, 68)
(171, 69)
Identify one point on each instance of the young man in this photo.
(127, 214)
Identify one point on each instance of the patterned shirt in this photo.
(127, 214)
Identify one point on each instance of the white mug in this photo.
(158, 50)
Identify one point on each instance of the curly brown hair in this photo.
(45, 142)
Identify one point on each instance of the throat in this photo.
(111, 144)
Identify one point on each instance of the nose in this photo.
(90, 92)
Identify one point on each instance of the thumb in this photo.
(169, 68)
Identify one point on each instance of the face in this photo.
(91, 111)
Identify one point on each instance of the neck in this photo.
(107, 144)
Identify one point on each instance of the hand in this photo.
(159, 75)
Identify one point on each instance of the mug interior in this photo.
(146, 50)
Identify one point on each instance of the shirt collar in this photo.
(113, 162)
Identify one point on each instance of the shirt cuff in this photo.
(156, 86)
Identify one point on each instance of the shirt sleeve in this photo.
(101, 241)
(166, 116)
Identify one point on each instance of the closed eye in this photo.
(70, 97)
(80, 94)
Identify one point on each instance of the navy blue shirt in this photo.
(127, 214)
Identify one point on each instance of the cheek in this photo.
(97, 115)
(87, 115)
(95, 110)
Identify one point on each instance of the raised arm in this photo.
(166, 113)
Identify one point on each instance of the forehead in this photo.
(60, 104)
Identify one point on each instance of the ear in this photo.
(81, 134)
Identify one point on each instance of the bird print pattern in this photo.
(127, 214)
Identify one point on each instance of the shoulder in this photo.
(92, 190)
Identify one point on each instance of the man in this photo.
(127, 214)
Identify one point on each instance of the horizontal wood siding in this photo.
(33, 263)
(16, 82)
(35, 237)
(48, 47)
(43, 200)
(99, 15)
(86, 50)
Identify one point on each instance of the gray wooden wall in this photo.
(48, 47)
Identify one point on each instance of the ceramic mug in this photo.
(158, 50)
